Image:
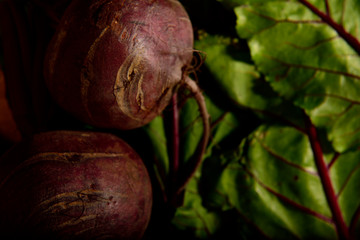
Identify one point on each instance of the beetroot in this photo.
(74, 185)
(116, 63)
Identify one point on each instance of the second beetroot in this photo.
(74, 185)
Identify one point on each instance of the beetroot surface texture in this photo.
(116, 64)
(74, 185)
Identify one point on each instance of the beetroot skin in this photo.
(74, 185)
(116, 63)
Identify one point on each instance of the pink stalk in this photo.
(342, 229)
(193, 164)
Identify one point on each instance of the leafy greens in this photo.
(295, 172)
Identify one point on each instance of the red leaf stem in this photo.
(342, 229)
(175, 138)
(327, 7)
(16, 55)
(333, 160)
(289, 201)
(354, 221)
(195, 161)
(350, 39)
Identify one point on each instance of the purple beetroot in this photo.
(117, 63)
(74, 185)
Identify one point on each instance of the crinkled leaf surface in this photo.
(156, 132)
(273, 183)
(301, 62)
(308, 60)
(224, 123)
(237, 76)
(191, 216)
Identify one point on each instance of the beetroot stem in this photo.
(175, 137)
(195, 161)
(342, 229)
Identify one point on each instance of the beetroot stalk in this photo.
(195, 161)
(175, 138)
(340, 224)
(175, 151)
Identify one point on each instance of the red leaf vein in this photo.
(290, 201)
(284, 160)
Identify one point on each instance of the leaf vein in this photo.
(350, 39)
(314, 45)
(343, 12)
(295, 65)
(276, 21)
(330, 95)
(290, 201)
(283, 20)
(354, 221)
(253, 224)
(347, 180)
(333, 160)
(282, 159)
(307, 82)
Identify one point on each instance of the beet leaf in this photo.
(294, 65)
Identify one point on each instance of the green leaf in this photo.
(276, 182)
(157, 135)
(273, 183)
(193, 216)
(346, 178)
(242, 84)
(310, 55)
(191, 129)
(224, 127)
